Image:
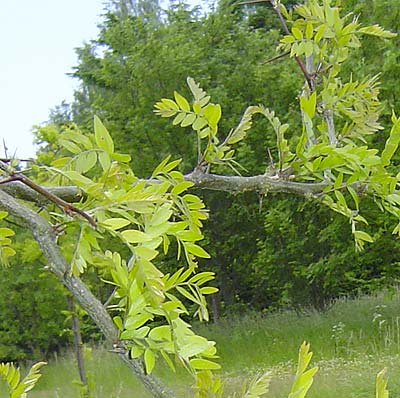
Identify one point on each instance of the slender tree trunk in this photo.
(78, 345)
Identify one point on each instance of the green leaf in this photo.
(308, 105)
(178, 118)
(297, 33)
(186, 294)
(376, 30)
(392, 143)
(199, 94)
(136, 352)
(303, 379)
(208, 290)
(135, 236)
(354, 196)
(78, 179)
(381, 384)
(104, 160)
(85, 161)
(213, 114)
(199, 123)
(361, 235)
(6, 232)
(181, 101)
(161, 333)
(181, 187)
(196, 250)
(188, 120)
(116, 223)
(121, 157)
(102, 136)
(69, 145)
(259, 386)
(204, 364)
(149, 360)
(118, 322)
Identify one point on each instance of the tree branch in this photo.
(43, 234)
(16, 189)
(262, 184)
(67, 207)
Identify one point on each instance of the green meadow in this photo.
(351, 341)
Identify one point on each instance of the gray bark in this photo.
(262, 184)
(44, 235)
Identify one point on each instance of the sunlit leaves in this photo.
(381, 384)
(258, 386)
(376, 30)
(304, 377)
(208, 385)
(12, 376)
(102, 136)
(6, 251)
(392, 142)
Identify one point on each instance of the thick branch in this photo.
(260, 183)
(234, 184)
(43, 233)
(18, 190)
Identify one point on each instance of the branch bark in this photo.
(44, 235)
(262, 184)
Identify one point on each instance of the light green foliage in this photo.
(19, 388)
(304, 377)
(146, 218)
(381, 383)
(203, 116)
(258, 387)
(6, 251)
(204, 120)
(336, 115)
(208, 385)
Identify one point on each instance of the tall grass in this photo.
(369, 325)
(352, 341)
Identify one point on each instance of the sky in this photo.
(37, 39)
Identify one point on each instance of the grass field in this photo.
(351, 342)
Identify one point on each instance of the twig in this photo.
(67, 207)
(279, 56)
(299, 61)
(8, 160)
(5, 148)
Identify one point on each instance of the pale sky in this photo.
(37, 39)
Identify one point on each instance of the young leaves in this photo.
(381, 384)
(258, 386)
(304, 378)
(19, 388)
(102, 136)
(6, 251)
(392, 142)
